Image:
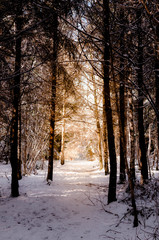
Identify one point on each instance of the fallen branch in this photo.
(130, 211)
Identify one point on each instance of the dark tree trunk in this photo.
(131, 185)
(157, 85)
(96, 114)
(25, 143)
(122, 134)
(132, 136)
(63, 134)
(53, 97)
(108, 110)
(16, 99)
(105, 142)
(143, 159)
(122, 108)
(19, 170)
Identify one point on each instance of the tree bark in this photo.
(96, 113)
(63, 135)
(131, 184)
(25, 143)
(157, 85)
(16, 99)
(19, 170)
(143, 159)
(108, 109)
(132, 137)
(149, 149)
(121, 111)
(53, 94)
(105, 142)
(122, 108)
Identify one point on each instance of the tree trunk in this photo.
(19, 171)
(63, 135)
(157, 156)
(25, 144)
(105, 142)
(132, 136)
(122, 135)
(131, 171)
(108, 109)
(96, 113)
(149, 149)
(157, 85)
(131, 184)
(122, 108)
(143, 159)
(53, 96)
(16, 98)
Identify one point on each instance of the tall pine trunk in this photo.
(96, 113)
(122, 133)
(25, 143)
(122, 107)
(157, 85)
(19, 171)
(143, 158)
(53, 94)
(63, 135)
(105, 142)
(132, 135)
(16, 98)
(108, 109)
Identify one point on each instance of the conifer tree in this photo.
(106, 79)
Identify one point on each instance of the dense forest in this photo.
(80, 80)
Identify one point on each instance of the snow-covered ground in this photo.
(73, 207)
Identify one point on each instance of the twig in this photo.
(107, 237)
(88, 196)
(103, 207)
(124, 217)
(102, 204)
(7, 177)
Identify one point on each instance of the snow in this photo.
(73, 207)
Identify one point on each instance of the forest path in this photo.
(71, 208)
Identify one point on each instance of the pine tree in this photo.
(106, 70)
(16, 101)
(143, 160)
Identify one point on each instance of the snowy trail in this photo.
(71, 208)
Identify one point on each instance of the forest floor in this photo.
(74, 206)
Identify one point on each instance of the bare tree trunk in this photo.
(96, 113)
(108, 109)
(122, 128)
(155, 156)
(16, 98)
(53, 97)
(157, 86)
(149, 143)
(52, 125)
(105, 142)
(157, 159)
(132, 136)
(19, 171)
(149, 149)
(131, 171)
(122, 131)
(25, 144)
(63, 135)
(131, 184)
(143, 159)
(122, 115)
